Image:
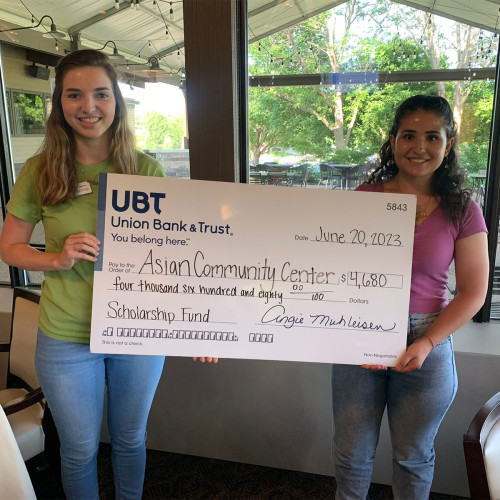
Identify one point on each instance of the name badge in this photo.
(83, 188)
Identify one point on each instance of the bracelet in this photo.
(430, 340)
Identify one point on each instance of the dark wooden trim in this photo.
(378, 77)
(19, 404)
(210, 83)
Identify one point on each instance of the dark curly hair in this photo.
(447, 183)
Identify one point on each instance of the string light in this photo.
(171, 12)
(32, 20)
(117, 4)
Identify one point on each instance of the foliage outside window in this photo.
(348, 123)
(158, 131)
(27, 112)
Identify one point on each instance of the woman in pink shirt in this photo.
(418, 158)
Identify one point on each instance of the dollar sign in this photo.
(343, 278)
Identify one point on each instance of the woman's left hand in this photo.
(414, 357)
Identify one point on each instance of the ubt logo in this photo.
(139, 200)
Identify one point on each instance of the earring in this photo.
(392, 163)
(446, 162)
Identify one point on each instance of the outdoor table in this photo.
(258, 177)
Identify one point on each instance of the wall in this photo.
(15, 77)
(278, 414)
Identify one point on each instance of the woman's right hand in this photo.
(79, 246)
(374, 368)
(207, 359)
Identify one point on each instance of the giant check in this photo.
(197, 268)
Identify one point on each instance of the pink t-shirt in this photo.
(433, 252)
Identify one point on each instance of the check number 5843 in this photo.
(397, 206)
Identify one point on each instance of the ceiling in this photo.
(144, 29)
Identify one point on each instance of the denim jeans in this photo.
(416, 404)
(73, 381)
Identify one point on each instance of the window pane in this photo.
(323, 92)
(28, 114)
(158, 116)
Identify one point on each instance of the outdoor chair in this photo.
(300, 174)
(22, 400)
(359, 175)
(328, 174)
(482, 451)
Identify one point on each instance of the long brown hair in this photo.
(448, 179)
(58, 177)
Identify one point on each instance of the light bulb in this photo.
(117, 4)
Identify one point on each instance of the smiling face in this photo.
(88, 104)
(420, 144)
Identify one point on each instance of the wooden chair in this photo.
(482, 451)
(22, 401)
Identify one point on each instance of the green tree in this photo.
(163, 132)
(276, 122)
(339, 116)
(31, 111)
(318, 45)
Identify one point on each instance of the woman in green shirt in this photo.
(87, 133)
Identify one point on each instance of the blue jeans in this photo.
(416, 404)
(73, 381)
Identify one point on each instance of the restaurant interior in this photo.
(273, 414)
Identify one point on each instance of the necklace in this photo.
(422, 214)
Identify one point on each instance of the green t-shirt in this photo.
(66, 302)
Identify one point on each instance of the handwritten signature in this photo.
(277, 315)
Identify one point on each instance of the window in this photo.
(27, 112)
(323, 91)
